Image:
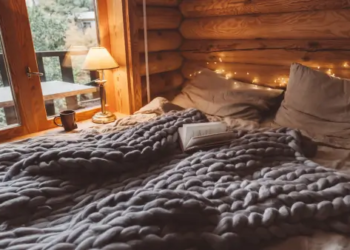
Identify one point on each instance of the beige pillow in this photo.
(316, 102)
(215, 95)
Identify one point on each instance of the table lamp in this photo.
(99, 59)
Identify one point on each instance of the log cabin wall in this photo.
(164, 40)
(257, 40)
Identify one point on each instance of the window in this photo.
(8, 110)
(48, 37)
(60, 46)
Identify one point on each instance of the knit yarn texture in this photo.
(134, 190)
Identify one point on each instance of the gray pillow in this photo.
(213, 94)
(316, 102)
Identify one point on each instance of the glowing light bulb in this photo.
(318, 67)
(346, 65)
(255, 80)
(228, 76)
(235, 73)
(190, 75)
(215, 62)
(248, 73)
(207, 62)
(220, 59)
(199, 72)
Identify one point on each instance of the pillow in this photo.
(215, 95)
(316, 103)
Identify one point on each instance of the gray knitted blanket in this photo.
(133, 189)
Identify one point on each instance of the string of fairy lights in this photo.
(281, 81)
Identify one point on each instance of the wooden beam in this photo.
(299, 25)
(322, 59)
(169, 3)
(160, 40)
(132, 40)
(105, 41)
(202, 8)
(250, 73)
(267, 75)
(122, 39)
(161, 62)
(262, 44)
(313, 53)
(159, 18)
(163, 82)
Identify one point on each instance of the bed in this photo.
(129, 186)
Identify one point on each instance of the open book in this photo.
(203, 135)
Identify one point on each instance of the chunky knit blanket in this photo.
(133, 189)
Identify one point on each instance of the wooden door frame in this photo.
(118, 28)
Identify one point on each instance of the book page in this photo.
(210, 140)
(201, 129)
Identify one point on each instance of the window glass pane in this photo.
(63, 31)
(8, 111)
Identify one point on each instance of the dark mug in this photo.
(67, 119)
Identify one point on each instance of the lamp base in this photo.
(105, 118)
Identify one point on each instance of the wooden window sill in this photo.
(81, 126)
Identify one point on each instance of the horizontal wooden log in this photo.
(160, 40)
(163, 82)
(159, 18)
(321, 59)
(267, 75)
(195, 8)
(161, 62)
(246, 45)
(169, 3)
(274, 76)
(299, 25)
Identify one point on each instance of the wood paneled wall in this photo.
(257, 40)
(164, 40)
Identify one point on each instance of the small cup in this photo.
(67, 119)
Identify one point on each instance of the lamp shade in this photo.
(98, 58)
